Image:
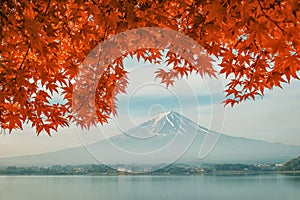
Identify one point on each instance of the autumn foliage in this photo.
(43, 43)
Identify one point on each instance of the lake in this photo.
(150, 187)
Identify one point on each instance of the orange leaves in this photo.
(43, 46)
(42, 96)
(231, 102)
(215, 11)
(71, 71)
(95, 99)
(111, 20)
(12, 120)
(166, 77)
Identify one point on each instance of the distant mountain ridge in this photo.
(166, 138)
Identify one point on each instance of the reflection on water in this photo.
(150, 187)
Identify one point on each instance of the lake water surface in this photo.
(262, 187)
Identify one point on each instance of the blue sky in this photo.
(275, 118)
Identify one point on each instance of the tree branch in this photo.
(48, 5)
(20, 67)
(269, 18)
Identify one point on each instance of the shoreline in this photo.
(215, 173)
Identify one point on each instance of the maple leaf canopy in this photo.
(43, 43)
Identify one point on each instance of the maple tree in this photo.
(43, 43)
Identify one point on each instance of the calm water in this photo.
(149, 187)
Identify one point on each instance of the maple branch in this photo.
(48, 5)
(24, 58)
(94, 2)
(1, 24)
(237, 42)
(254, 42)
(20, 67)
(269, 18)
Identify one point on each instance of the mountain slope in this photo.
(166, 138)
(292, 165)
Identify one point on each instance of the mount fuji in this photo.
(166, 138)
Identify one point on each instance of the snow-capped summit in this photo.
(167, 123)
